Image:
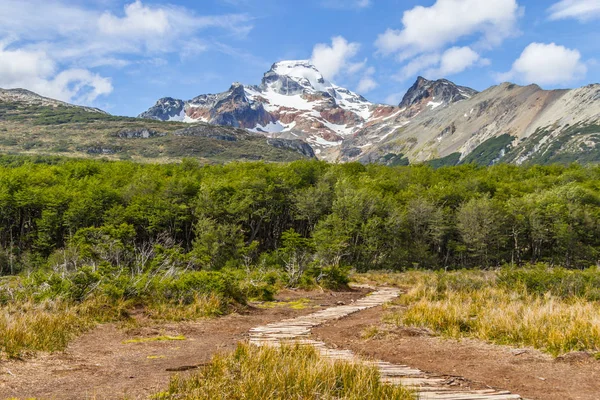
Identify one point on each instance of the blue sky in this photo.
(124, 55)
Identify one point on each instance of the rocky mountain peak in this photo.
(293, 101)
(165, 109)
(237, 92)
(294, 77)
(435, 93)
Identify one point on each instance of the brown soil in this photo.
(100, 365)
(527, 372)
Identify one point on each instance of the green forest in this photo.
(87, 241)
(64, 213)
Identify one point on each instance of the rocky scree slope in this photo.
(505, 123)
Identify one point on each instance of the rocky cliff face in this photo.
(435, 94)
(293, 101)
(166, 109)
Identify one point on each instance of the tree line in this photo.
(67, 214)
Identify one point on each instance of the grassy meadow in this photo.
(551, 309)
(44, 312)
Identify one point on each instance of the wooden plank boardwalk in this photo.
(298, 330)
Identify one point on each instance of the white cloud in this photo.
(427, 29)
(355, 68)
(366, 84)
(439, 65)
(583, 10)
(455, 60)
(72, 38)
(331, 60)
(549, 64)
(417, 65)
(36, 71)
(346, 4)
(139, 20)
(335, 60)
(78, 85)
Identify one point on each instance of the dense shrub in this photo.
(560, 282)
(64, 214)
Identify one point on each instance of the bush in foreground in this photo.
(253, 373)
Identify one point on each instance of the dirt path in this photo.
(100, 365)
(427, 386)
(528, 372)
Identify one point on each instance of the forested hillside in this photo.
(63, 214)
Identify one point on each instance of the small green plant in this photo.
(370, 332)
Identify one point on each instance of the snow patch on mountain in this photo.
(293, 99)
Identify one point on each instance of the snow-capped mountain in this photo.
(435, 119)
(293, 101)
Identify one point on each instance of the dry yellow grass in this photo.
(28, 327)
(473, 304)
(202, 306)
(32, 327)
(296, 372)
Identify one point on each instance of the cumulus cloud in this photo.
(367, 83)
(138, 20)
(77, 39)
(426, 42)
(355, 68)
(456, 60)
(335, 60)
(417, 65)
(439, 65)
(428, 29)
(548, 64)
(583, 10)
(36, 71)
(332, 59)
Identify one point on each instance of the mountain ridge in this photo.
(435, 119)
(36, 125)
(545, 126)
(28, 97)
(293, 100)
